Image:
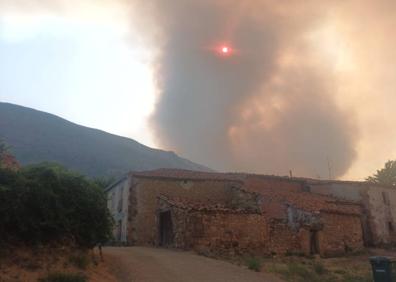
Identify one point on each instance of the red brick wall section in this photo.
(147, 191)
(283, 240)
(227, 234)
(219, 232)
(340, 234)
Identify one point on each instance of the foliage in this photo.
(319, 268)
(104, 181)
(63, 277)
(46, 203)
(333, 270)
(254, 264)
(386, 175)
(80, 261)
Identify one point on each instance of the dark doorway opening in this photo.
(314, 242)
(166, 229)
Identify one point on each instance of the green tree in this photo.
(104, 181)
(385, 175)
(47, 203)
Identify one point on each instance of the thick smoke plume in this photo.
(269, 108)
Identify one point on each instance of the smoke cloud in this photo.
(269, 108)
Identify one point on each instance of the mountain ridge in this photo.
(37, 136)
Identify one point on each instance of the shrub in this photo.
(254, 264)
(81, 261)
(63, 277)
(47, 203)
(319, 268)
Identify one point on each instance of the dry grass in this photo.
(346, 269)
(352, 268)
(62, 263)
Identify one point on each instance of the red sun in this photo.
(225, 50)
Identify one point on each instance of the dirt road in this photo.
(152, 265)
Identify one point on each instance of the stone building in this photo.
(378, 206)
(228, 214)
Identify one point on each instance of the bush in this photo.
(254, 264)
(47, 203)
(81, 261)
(64, 277)
(296, 269)
(319, 268)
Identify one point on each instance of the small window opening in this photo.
(314, 242)
(385, 198)
(390, 227)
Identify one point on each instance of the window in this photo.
(385, 198)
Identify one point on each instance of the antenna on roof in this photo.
(329, 167)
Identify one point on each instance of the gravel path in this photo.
(152, 265)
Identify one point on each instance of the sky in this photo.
(83, 64)
(307, 88)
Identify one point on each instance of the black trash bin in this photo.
(384, 269)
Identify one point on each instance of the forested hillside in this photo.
(36, 136)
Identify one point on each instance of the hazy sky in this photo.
(82, 63)
(310, 84)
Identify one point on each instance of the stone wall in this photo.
(219, 232)
(226, 232)
(340, 234)
(283, 239)
(381, 206)
(229, 233)
(146, 191)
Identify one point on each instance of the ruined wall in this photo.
(220, 233)
(340, 234)
(284, 240)
(237, 221)
(227, 234)
(147, 190)
(381, 204)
